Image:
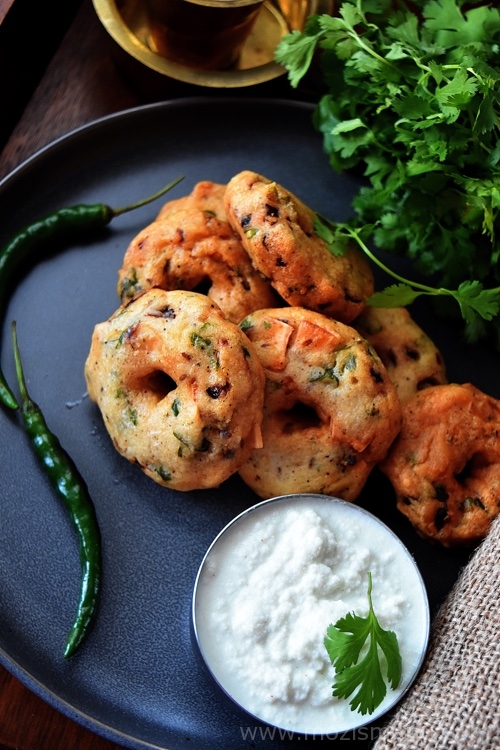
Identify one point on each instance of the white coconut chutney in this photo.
(272, 583)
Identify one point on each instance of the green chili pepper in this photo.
(62, 223)
(70, 486)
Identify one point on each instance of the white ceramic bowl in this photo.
(272, 582)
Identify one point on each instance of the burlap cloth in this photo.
(455, 702)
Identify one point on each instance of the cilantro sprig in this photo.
(474, 300)
(345, 641)
(412, 103)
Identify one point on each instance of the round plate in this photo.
(136, 679)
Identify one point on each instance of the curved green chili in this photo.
(62, 223)
(70, 486)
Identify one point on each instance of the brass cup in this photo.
(201, 34)
(129, 27)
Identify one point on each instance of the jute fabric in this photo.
(455, 702)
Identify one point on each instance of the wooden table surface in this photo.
(84, 81)
(81, 82)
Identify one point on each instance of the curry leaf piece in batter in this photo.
(353, 637)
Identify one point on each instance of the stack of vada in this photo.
(242, 345)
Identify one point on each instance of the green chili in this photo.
(71, 487)
(73, 220)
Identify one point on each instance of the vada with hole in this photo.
(192, 246)
(331, 411)
(180, 388)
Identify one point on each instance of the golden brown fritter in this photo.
(205, 196)
(445, 463)
(195, 248)
(330, 410)
(180, 388)
(277, 231)
(411, 358)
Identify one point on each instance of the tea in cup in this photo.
(201, 34)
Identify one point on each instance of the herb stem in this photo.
(351, 31)
(415, 284)
(368, 49)
(370, 584)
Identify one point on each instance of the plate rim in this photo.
(138, 110)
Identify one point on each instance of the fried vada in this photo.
(277, 231)
(180, 388)
(205, 196)
(192, 246)
(411, 358)
(445, 463)
(330, 409)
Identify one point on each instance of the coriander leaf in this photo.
(343, 644)
(396, 295)
(349, 135)
(474, 299)
(475, 330)
(443, 14)
(455, 29)
(338, 236)
(412, 104)
(334, 238)
(295, 52)
(486, 118)
(346, 641)
(458, 91)
(377, 168)
(351, 15)
(405, 30)
(436, 71)
(494, 157)
(347, 125)
(396, 52)
(366, 676)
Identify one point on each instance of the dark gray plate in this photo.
(137, 679)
